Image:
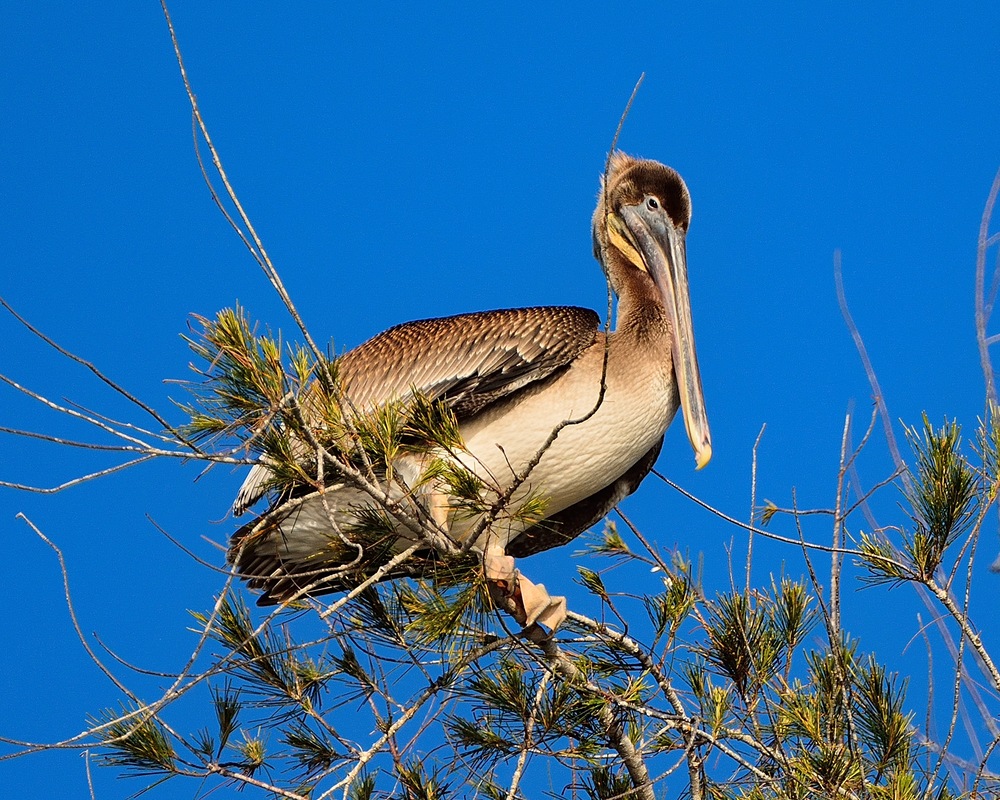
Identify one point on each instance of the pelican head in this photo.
(642, 218)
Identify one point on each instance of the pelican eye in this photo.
(652, 203)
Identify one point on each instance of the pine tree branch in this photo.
(632, 647)
(529, 727)
(617, 736)
(944, 597)
(415, 705)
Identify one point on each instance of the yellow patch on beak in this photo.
(621, 237)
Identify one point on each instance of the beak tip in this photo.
(703, 455)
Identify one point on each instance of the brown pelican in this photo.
(512, 378)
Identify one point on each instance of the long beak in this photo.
(661, 246)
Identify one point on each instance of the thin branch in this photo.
(76, 481)
(242, 777)
(260, 254)
(768, 534)
(838, 529)
(117, 387)
(859, 343)
(90, 780)
(753, 501)
(72, 611)
(984, 309)
(44, 437)
(529, 727)
(70, 412)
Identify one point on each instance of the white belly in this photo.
(639, 402)
(584, 458)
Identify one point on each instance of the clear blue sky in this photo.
(411, 161)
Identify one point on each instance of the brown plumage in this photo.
(510, 377)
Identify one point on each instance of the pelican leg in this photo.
(431, 495)
(438, 508)
(498, 567)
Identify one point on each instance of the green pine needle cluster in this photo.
(505, 699)
(436, 613)
(944, 496)
(246, 383)
(136, 742)
(272, 670)
(605, 783)
(285, 404)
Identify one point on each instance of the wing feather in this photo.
(468, 361)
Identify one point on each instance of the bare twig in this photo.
(768, 534)
(753, 502)
(890, 436)
(72, 611)
(75, 481)
(529, 727)
(90, 780)
(258, 251)
(838, 530)
(117, 387)
(249, 780)
(984, 305)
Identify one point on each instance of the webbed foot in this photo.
(539, 606)
(528, 602)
